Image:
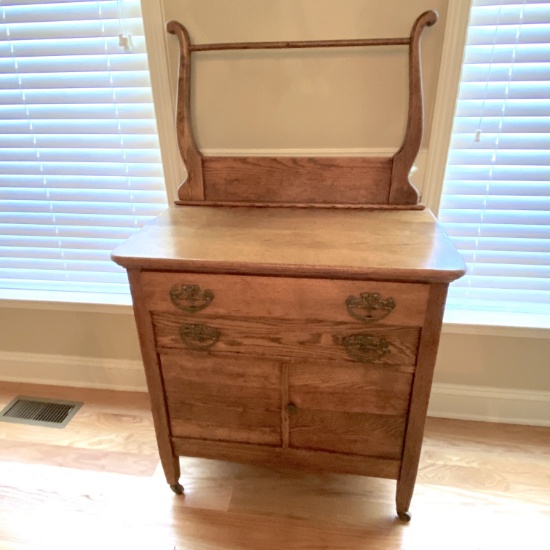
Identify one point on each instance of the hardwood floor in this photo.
(97, 484)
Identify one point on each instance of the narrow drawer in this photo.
(290, 339)
(223, 398)
(364, 302)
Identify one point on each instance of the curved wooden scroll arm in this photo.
(192, 188)
(402, 191)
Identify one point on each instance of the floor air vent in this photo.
(38, 411)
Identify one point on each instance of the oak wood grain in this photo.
(286, 298)
(193, 187)
(321, 180)
(348, 432)
(290, 339)
(295, 44)
(285, 401)
(154, 380)
(332, 206)
(402, 191)
(289, 458)
(420, 396)
(334, 244)
(351, 388)
(223, 399)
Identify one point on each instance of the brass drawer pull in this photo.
(199, 337)
(365, 348)
(369, 307)
(190, 298)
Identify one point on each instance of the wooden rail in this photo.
(354, 43)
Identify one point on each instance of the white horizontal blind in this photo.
(496, 197)
(80, 168)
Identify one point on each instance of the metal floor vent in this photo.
(39, 411)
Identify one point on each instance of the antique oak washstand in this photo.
(289, 309)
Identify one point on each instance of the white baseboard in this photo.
(69, 370)
(484, 404)
(487, 404)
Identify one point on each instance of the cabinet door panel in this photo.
(359, 409)
(351, 388)
(223, 399)
(344, 432)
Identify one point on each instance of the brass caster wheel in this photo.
(177, 488)
(405, 517)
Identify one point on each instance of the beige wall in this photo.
(511, 363)
(75, 333)
(343, 99)
(308, 100)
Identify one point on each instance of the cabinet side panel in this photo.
(420, 396)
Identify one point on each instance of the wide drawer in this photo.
(223, 399)
(289, 339)
(365, 302)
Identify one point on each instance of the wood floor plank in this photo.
(136, 464)
(97, 484)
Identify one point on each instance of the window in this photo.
(496, 197)
(80, 166)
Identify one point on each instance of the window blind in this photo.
(496, 197)
(80, 167)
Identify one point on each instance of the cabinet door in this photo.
(222, 398)
(354, 409)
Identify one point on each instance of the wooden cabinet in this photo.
(289, 309)
(295, 363)
(273, 351)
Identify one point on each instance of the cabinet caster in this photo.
(405, 517)
(177, 488)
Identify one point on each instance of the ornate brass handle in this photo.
(365, 348)
(199, 337)
(369, 307)
(190, 298)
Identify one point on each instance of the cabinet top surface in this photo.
(401, 245)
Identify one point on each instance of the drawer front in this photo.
(355, 409)
(223, 399)
(365, 302)
(289, 339)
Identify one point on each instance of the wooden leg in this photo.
(171, 467)
(405, 488)
(155, 384)
(177, 488)
(420, 395)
